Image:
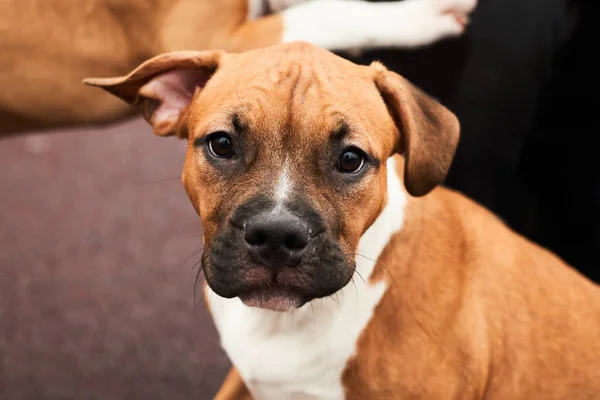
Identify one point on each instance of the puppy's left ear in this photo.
(427, 131)
(164, 86)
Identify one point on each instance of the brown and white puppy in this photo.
(330, 274)
(46, 51)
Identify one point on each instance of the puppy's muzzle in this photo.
(276, 256)
(276, 239)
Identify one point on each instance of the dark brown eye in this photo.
(221, 146)
(351, 161)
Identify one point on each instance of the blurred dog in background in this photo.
(46, 51)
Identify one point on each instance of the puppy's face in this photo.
(286, 162)
(284, 170)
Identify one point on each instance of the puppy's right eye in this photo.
(220, 145)
(351, 161)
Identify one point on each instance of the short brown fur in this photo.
(475, 311)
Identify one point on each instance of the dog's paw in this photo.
(459, 9)
(438, 19)
(454, 6)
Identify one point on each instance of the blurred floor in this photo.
(96, 296)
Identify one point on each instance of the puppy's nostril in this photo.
(256, 237)
(296, 242)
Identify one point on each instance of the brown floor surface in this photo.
(96, 295)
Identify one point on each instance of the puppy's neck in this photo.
(389, 222)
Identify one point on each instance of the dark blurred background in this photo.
(99, 243)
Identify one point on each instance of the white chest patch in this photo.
(301, 355)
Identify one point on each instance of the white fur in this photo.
(301, 355)
(357, 24)
(284, 185)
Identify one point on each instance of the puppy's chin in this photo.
(274, 299)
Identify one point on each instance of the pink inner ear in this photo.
(169, 94)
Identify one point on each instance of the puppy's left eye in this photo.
(351, 161)
(220, 145)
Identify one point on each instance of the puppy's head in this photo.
(286, 162)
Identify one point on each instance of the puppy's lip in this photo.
(274, 298)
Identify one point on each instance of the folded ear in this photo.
(427, 131)
(164, 86)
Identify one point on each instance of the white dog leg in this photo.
(355, 24)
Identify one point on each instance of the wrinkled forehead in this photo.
(293, 97)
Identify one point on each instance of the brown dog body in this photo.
(46, 51)
(389, 293)
(475, 311)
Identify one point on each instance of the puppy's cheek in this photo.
(348, 253)
(353, 233)
(225, 263)
(214, 218)
(192, 182)
(193, 192)
(347, 247)
(328, 269)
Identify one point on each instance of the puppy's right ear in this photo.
(164, 86)
(427, 131)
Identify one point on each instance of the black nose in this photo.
(276, 239)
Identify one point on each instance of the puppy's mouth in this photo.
(274, 298)
(275, 258)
